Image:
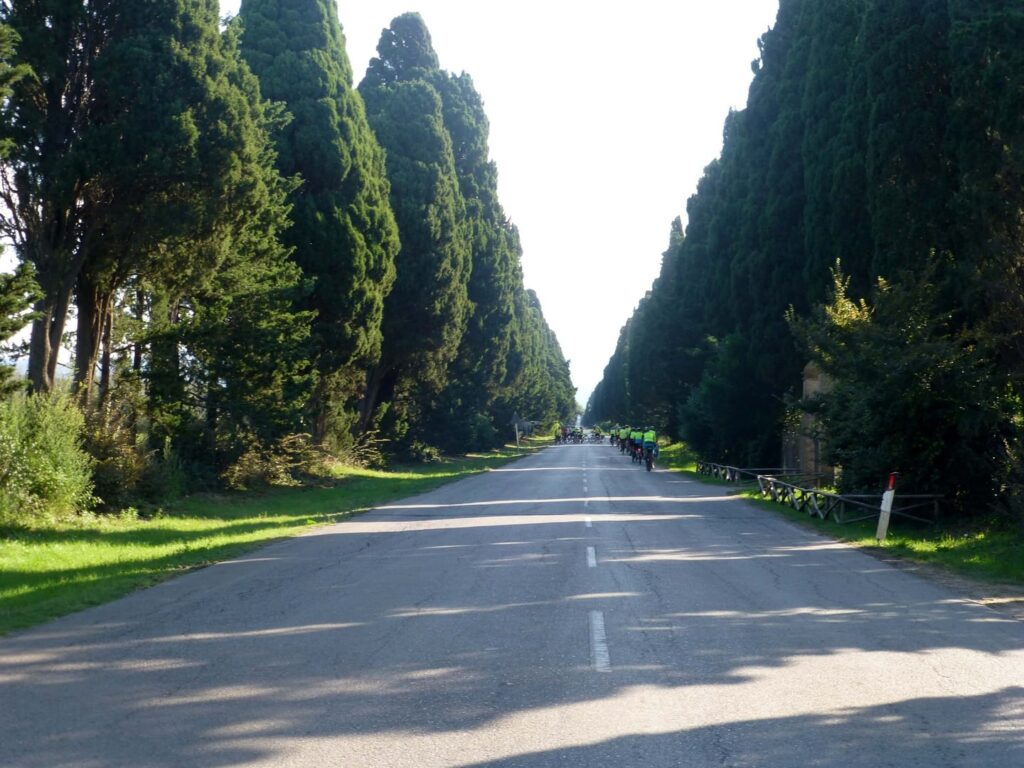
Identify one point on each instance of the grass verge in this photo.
(982, 552)
(51, 570)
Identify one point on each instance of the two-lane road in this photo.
(570, 609)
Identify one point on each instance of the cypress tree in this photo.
(219, 296)
(835, 222)
(162, 154)
(473, 411)
(905, 56)
(425, 315)
(887, 135)
(343, 232)
(985, 141)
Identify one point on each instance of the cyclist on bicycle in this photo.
(650, 442)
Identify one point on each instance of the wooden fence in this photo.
(789, 487)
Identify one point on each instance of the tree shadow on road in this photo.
(392, 636)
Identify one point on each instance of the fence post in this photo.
(886, 510)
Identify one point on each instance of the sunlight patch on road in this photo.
(402, 524)
(565, 500)
(662, 555)
(411, 613)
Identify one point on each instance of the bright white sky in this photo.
(603, 116)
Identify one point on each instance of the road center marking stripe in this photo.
(591, 558)
(599, 643)
(588, 521)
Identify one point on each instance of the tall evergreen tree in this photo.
(904, 52)
(343, 232)
(425, 315)
(541, 384)
(985, 141)
(473, 409)
(886, 135)
(163, 152)
(226, 342)
(18, 290)
(43, 124)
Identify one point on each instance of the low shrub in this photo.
(279, 464)
(44, 471)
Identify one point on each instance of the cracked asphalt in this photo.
(470, 627)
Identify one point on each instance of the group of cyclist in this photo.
(568, 435)
(640, 444)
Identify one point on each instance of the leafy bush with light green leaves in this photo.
(44, 472)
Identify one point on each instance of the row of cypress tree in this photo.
(249, 248)
(866, 214)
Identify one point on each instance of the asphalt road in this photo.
(568, 610)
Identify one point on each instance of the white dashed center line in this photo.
(599, 643)
(591, 558)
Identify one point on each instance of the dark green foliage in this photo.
(466, 346)
(887, 135)
(985, 141)
(44, 473)
(228, 243)
(229, 362)
(474, 410)
(42, 125)
(426, 314)
(343, 232)
(911, 394)
(17, 293)
(540, 385)
(149, 185)
(169, 157)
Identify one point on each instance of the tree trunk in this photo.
(140, 315)
(38, 351)
(166, 388)
(44, 345)
(380, 386)
(105, 361)
(92, 314)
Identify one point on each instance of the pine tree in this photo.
(905, 56)
(343, 233)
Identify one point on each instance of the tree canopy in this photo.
(878, 136)
(263, 269)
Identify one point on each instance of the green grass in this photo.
(677, 457)
(987, 553)
(48, 571)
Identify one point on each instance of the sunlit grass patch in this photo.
(677, 457)
(984, 551)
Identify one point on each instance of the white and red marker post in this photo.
(886, 511)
